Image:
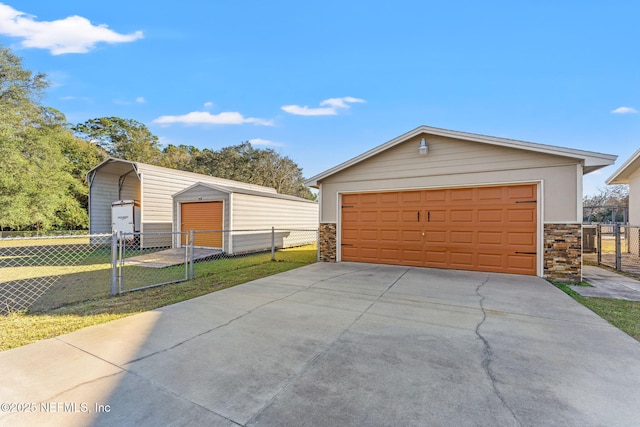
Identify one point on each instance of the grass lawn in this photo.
(623, 314)
(17, 329)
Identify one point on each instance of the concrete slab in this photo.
(608, 284)
(339, 344)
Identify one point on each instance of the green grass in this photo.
(623, 314)
(17, 329)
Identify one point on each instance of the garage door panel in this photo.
(490, 193)
(490, 215)
(466, 237)
(411, 236)
(464, 216)
(489, 260)
(480, 228)
(436, 215)
(462, 260)
(521, 262)
(490, 237)
(368, 234)
(369, 216)
(521, 239)
(521, 192)
(390, 216)
(203, 216)
(521, 215)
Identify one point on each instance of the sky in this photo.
(322, 82)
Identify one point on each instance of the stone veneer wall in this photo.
(563, 252)
(327, 242)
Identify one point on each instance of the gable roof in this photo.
(624, 172)
(592, 160)
(230, 189)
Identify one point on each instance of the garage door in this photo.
(203, 216)
(482, 228)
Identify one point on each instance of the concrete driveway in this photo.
(338, 344)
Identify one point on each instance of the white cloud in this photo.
(204, 117)
(260, 141)
(73, 34)
(624, 110)
(75, 98)
(328, 107)
(141, 100)
(208, 105)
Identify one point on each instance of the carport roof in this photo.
(624, 172)
(592, 161)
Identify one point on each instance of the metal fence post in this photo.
(599, 242)
(618, 248)
(191, 255)
(273, 244)
(114, 263)
(121, 252)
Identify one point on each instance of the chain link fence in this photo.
(43, 273)
(613, 245)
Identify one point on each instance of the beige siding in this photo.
(634, 198)
(453, 162)
(251, 211)
(262, 213)
(160, 184)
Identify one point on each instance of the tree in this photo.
(256, 166)
(608, 204)
(125, 139)
(39, 187)
(180, 157)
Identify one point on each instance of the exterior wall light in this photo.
(423, 149)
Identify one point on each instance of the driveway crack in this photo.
(488, 353)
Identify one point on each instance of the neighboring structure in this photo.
(205, 202)
(629, 173)
(249, 212)
(440, 198)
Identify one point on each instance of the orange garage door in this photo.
(481, 228)
(203, 216)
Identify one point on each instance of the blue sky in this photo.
(322, 82)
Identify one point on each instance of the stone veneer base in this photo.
(563, 252)
(327, 242)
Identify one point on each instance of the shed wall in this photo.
(262, 213)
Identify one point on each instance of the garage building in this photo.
(440, 198)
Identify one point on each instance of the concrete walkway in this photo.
(608, 284)
(338, 344)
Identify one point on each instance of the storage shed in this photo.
(447, 199)
(249, 212)
(154, 188)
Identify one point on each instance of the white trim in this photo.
(540, 231)
(539, 220)
(141, 179)
(579, 197)
(622, 174)
(231, 217)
